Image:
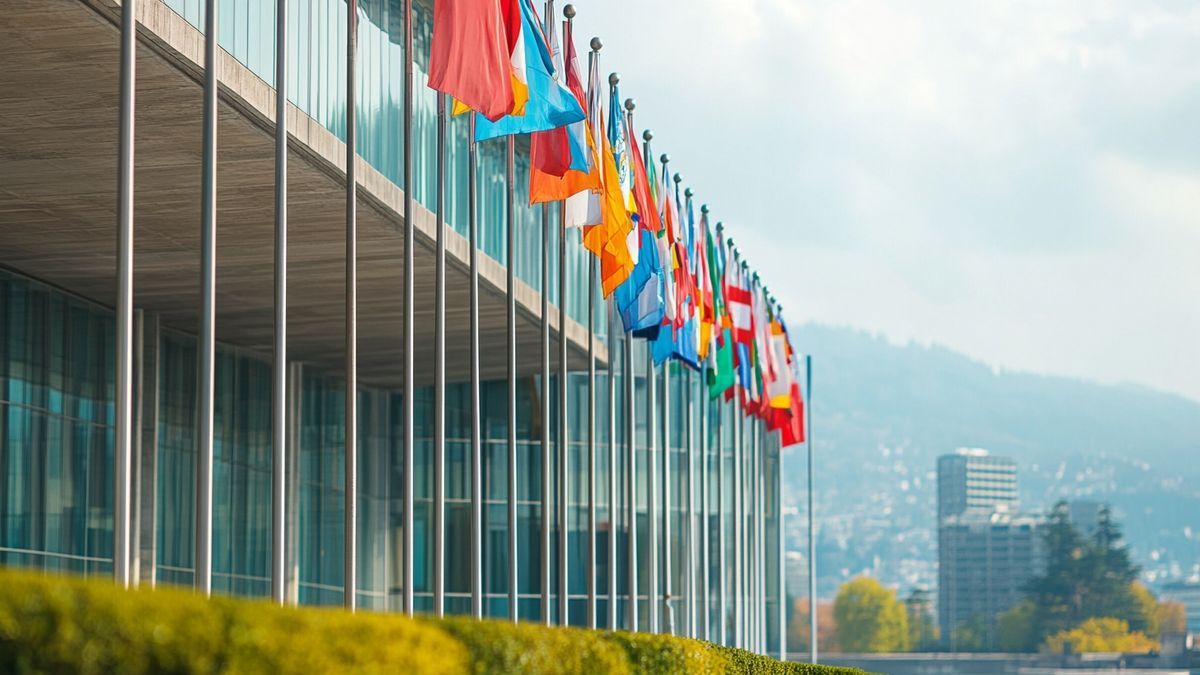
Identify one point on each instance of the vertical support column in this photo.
(613, 446)
(124, 318)
(350, 555)
(545, 415)
(279, 365)
(148, 447)
(511, 329)
(564, 449)
(409, 343)
(439, 394)
(206, 348)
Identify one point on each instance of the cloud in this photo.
(1016, 180)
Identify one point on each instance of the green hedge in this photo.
(60, 624)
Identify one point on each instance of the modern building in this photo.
(662, 513)
(970, 478)
(987, 552)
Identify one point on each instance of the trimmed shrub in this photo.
(63, 624)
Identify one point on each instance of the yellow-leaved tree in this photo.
(1102, 634)
(869, 618)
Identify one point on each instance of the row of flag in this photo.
(675, 283)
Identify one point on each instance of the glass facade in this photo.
(56, 444)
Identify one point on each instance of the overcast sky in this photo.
(1019, 181)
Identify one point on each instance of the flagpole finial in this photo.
(688, 193)
(569, 12)
(678, 179)
(733, 246)
(704, 208)
(720, 227)
(647, 136)
(665, 158)
(614, 79)
(596, 44)
(630, 104)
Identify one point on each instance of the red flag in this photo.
(647, 212)
(470, 56)
(792, 433)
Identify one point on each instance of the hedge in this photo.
(63, 624)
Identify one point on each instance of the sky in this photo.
(1016, 180)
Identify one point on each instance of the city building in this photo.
(1186, 593)
(970, 478)
(662, 514)
(987, 551)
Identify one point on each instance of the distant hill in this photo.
(884, 412)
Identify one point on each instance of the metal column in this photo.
(612, 468)
(631, 477)
(689, 442)
(590, 568)
(409, 343)
(705, 517)
(439, 391)
(350, 584)
(812, 544)
(722, 543)
(122, 510)
(279, 365)
(476, 403)
(738, 527)
(206, 347)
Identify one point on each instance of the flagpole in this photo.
(476, 402)
(690, 569)
(704, 599)
(779, 552)
(439, 382)
(511, 324)
(812, 544)
(652, 598)
(668, 565)
(631, 451)
(722, 626)
(564, 453)
(279, 417)
(123, 450)
(208, 315)
(590, 567)
(350, 554)
(738, 525)
(409, 342)
(545, 415)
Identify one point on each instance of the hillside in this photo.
(884, 412)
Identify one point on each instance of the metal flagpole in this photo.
(591, 568)
(668, 563)
(545, 415)
(812, 544)
(564, 452)
(124, 318)
(350, 587)
(652, 597)
(124, 449)
(738, 525)
(476, 403)
(612, 468)
(631, 451)
(279, 420)
(722, 545)
(779, 552)
(511, 329)
(690, 568)
(208, 285)
(705, 515)
(439, 391)
(409, 440)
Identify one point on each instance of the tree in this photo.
(1171, 617)
(1147, 610)
(1015, 628)
(798, 627)
(869, 617)
(1102, 634)
(970, 635)
(1085, 578)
